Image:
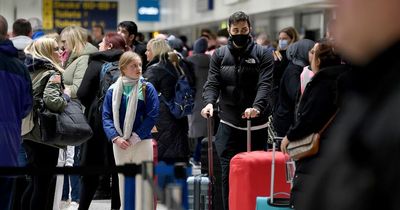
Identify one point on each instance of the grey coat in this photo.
(198, 124)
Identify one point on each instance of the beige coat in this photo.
(76, 68)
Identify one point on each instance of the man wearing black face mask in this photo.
(240, 76)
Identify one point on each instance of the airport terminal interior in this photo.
(186, 23)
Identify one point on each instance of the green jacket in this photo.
(76, 67)
(42, 88)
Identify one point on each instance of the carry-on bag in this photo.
(250, 173)
(272, 203)
(217, 187)
(200, 186)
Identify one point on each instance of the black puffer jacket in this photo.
(172, 137)
(240, 79)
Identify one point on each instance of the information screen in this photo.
(59, 14)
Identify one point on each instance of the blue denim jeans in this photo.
(22, 158)
(73, 180)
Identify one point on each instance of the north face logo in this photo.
(250, 61)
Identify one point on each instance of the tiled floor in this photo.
(106, 205)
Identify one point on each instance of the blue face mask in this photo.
(283, 44)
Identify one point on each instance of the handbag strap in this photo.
(328, 123)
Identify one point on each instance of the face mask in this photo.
(240, 39)
(283, 44)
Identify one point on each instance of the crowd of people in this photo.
(299, 86)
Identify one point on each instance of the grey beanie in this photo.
(175, 43)
(200, 45)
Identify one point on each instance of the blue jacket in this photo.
(37, 34)
(146, 114)
(15, 102)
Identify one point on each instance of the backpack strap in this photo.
(144, 87)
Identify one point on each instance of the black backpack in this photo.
(108, 75)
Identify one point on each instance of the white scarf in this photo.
(131, 107)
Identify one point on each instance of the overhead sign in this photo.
(59, 14)
(204, 5)
(148, 10)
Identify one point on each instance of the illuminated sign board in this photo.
(59, 14)
(148, 10)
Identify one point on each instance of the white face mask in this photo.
(283, 44)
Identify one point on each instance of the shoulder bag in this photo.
(307, 146)
(66, 128)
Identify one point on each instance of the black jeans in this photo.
(97, 152)
(6, 186)
(229, 142)
(38, 194)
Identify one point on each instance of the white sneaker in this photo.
(64, 205)
(73, 206)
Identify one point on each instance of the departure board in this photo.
(59, 14)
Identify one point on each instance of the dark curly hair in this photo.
(237, 17)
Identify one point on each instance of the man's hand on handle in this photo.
(207, 111)
(250, 113)
(284, 145)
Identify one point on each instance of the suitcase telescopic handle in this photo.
(210, 129)
(272, 172)
(272, 194)
(248, 135)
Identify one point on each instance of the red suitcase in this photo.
(250, 175)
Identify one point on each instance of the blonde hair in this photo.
(54, 35)
(126, 58)
(158, 46)
(43, 48)
(76, 38)
(174, 59)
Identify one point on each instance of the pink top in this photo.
(305, 78)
